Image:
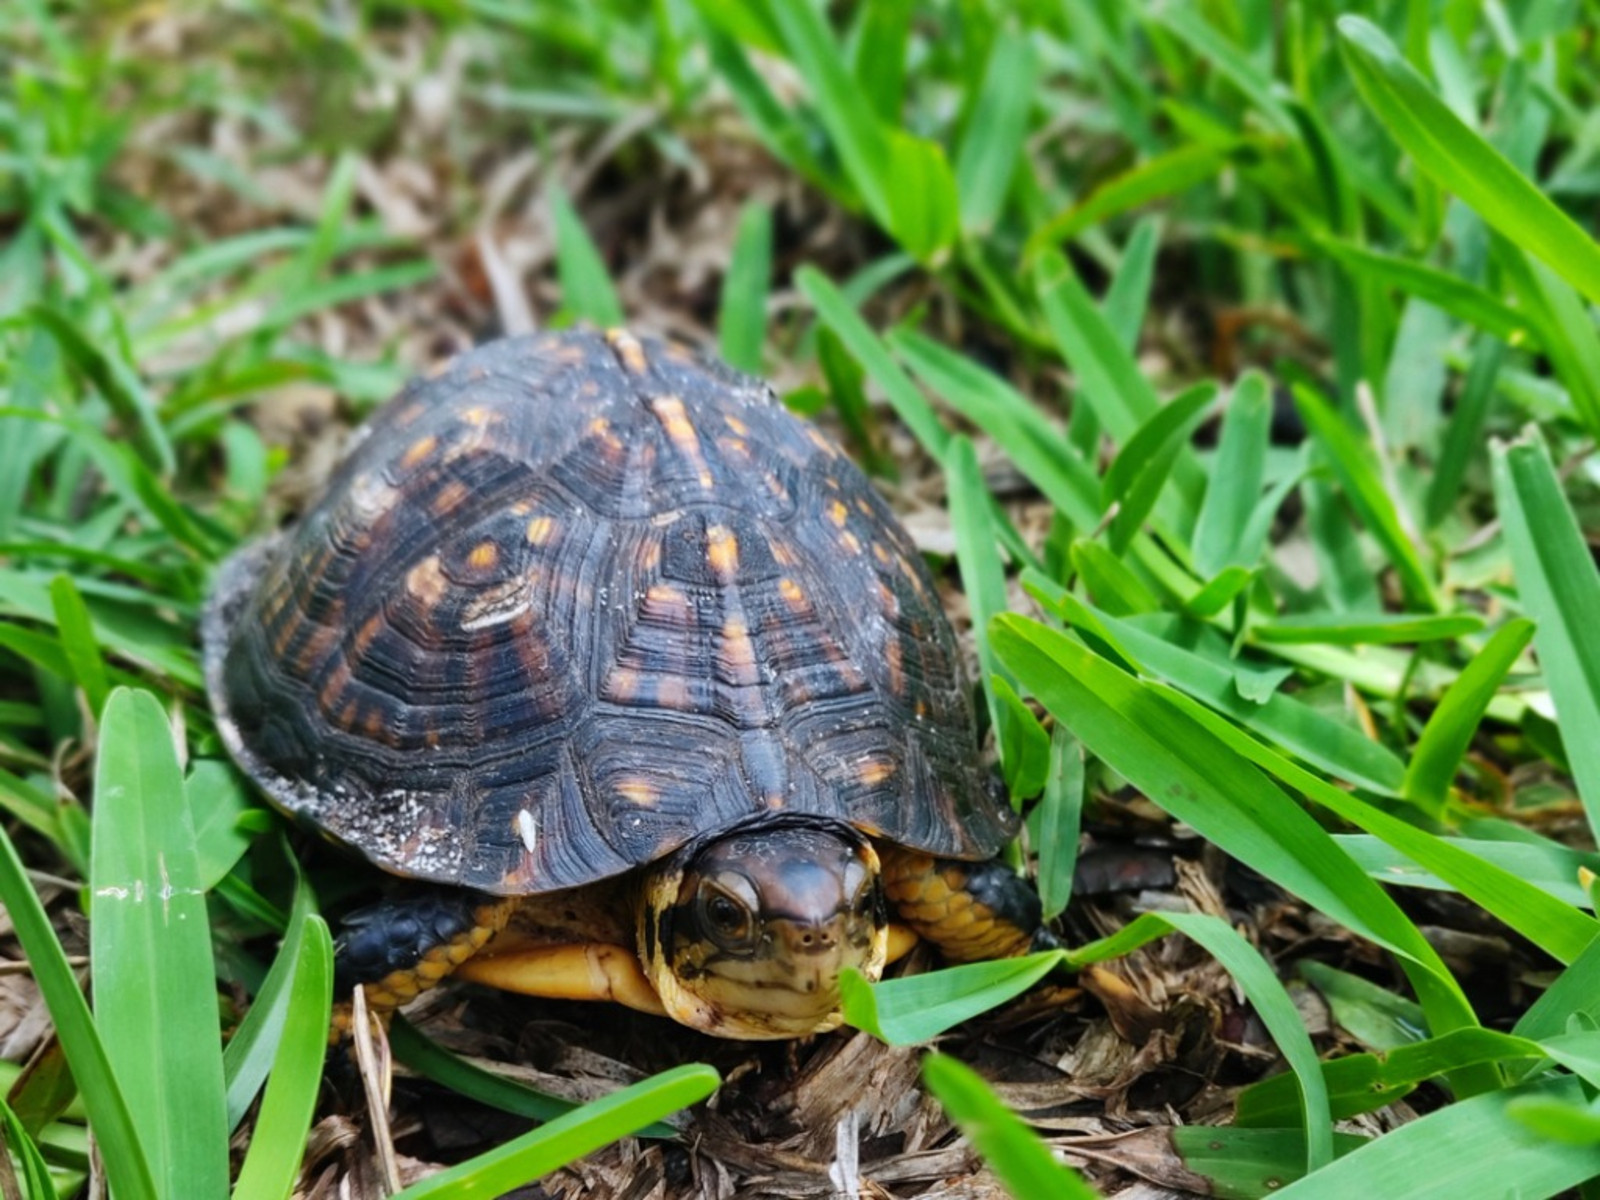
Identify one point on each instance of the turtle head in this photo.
(744, 936)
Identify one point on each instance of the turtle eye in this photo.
(727, 919)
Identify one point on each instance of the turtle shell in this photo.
(577, 599)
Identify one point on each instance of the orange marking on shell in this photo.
(793, 594)
(419, 450)
(874, 771)
(665, 602)
(333, 687)
(450, 497)
(628, 350)
(736, 425)
(821, 442)
(476, 416)
(639, 792)
(850, 542)
(722, 553)
(426, 581)
(672, 691)
(734, 447)
(739, 652)
(863, 507)
(522, 508)
(775, 486)
(621, 685)
(838, 514)
(881, 554)
(540, 529)
(367, 633)
(649, 556)
(773, 800)
(372, 724)
(782, 553)
(483, 556)
(680, 430)
(894, 659)
(889, 602)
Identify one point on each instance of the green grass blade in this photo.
(1170, 174)
(35, 1171)
(992, 141)
(1351, 460)
(1234, 488)
(1562, 931)
(1463, 439)
(78, 642)
(278, 1142)
(1023, 1163)
(1560, 589)
(1059, 821)
(1247, 1164)
(1161, 750)
(1039, 449)
(1366, 629)
(247, 1060)
(1128, 296)
(742, 317)
(569, 1137)
(837, 313)
(1465, 301)
(982, 571)
(924, 207)
(1424, 1159)
(856, 133)
(1573, 995)
(126, 1166)
(586, 291)
(150, 948)
(879, 58)
(1461, 161)
(918, 1008)
(1359, 1083)
(1551, 868)
(1135, 479)
(1449, 731)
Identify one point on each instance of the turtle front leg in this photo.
(399, 948)
(972, 911)
(572, 971)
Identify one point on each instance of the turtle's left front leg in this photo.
(972, 911)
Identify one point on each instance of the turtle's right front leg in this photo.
(400, 947)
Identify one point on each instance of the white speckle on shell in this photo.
(528, 827)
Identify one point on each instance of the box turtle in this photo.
(638, 679)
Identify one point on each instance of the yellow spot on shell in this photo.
(540, 529)
(426, 581)
(476, 416)
(722, 553)
(792, 592)
(739, 653)
(449, 497)
(850, 542)
(484, 555)
(639, 792)
(419, 450)
(680, 430)
(628, 350)
(736, 425)
(874, 771)
(838, 514)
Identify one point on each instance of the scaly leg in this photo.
(972, 911)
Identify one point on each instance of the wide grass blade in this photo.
(742, 315)
(1450, 729)
(1190, 772)
(76, 632)
(278, 1142)
(569, 1137)
(1023, 1163)
(1234, 488)
(150, 947)
(121, 1152)
(586, 290)
(1425, 1159)
(836, 312)
(1560, 589)
(1351, 460)
(1461, 161)
(1059, 819)
(992, 141)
